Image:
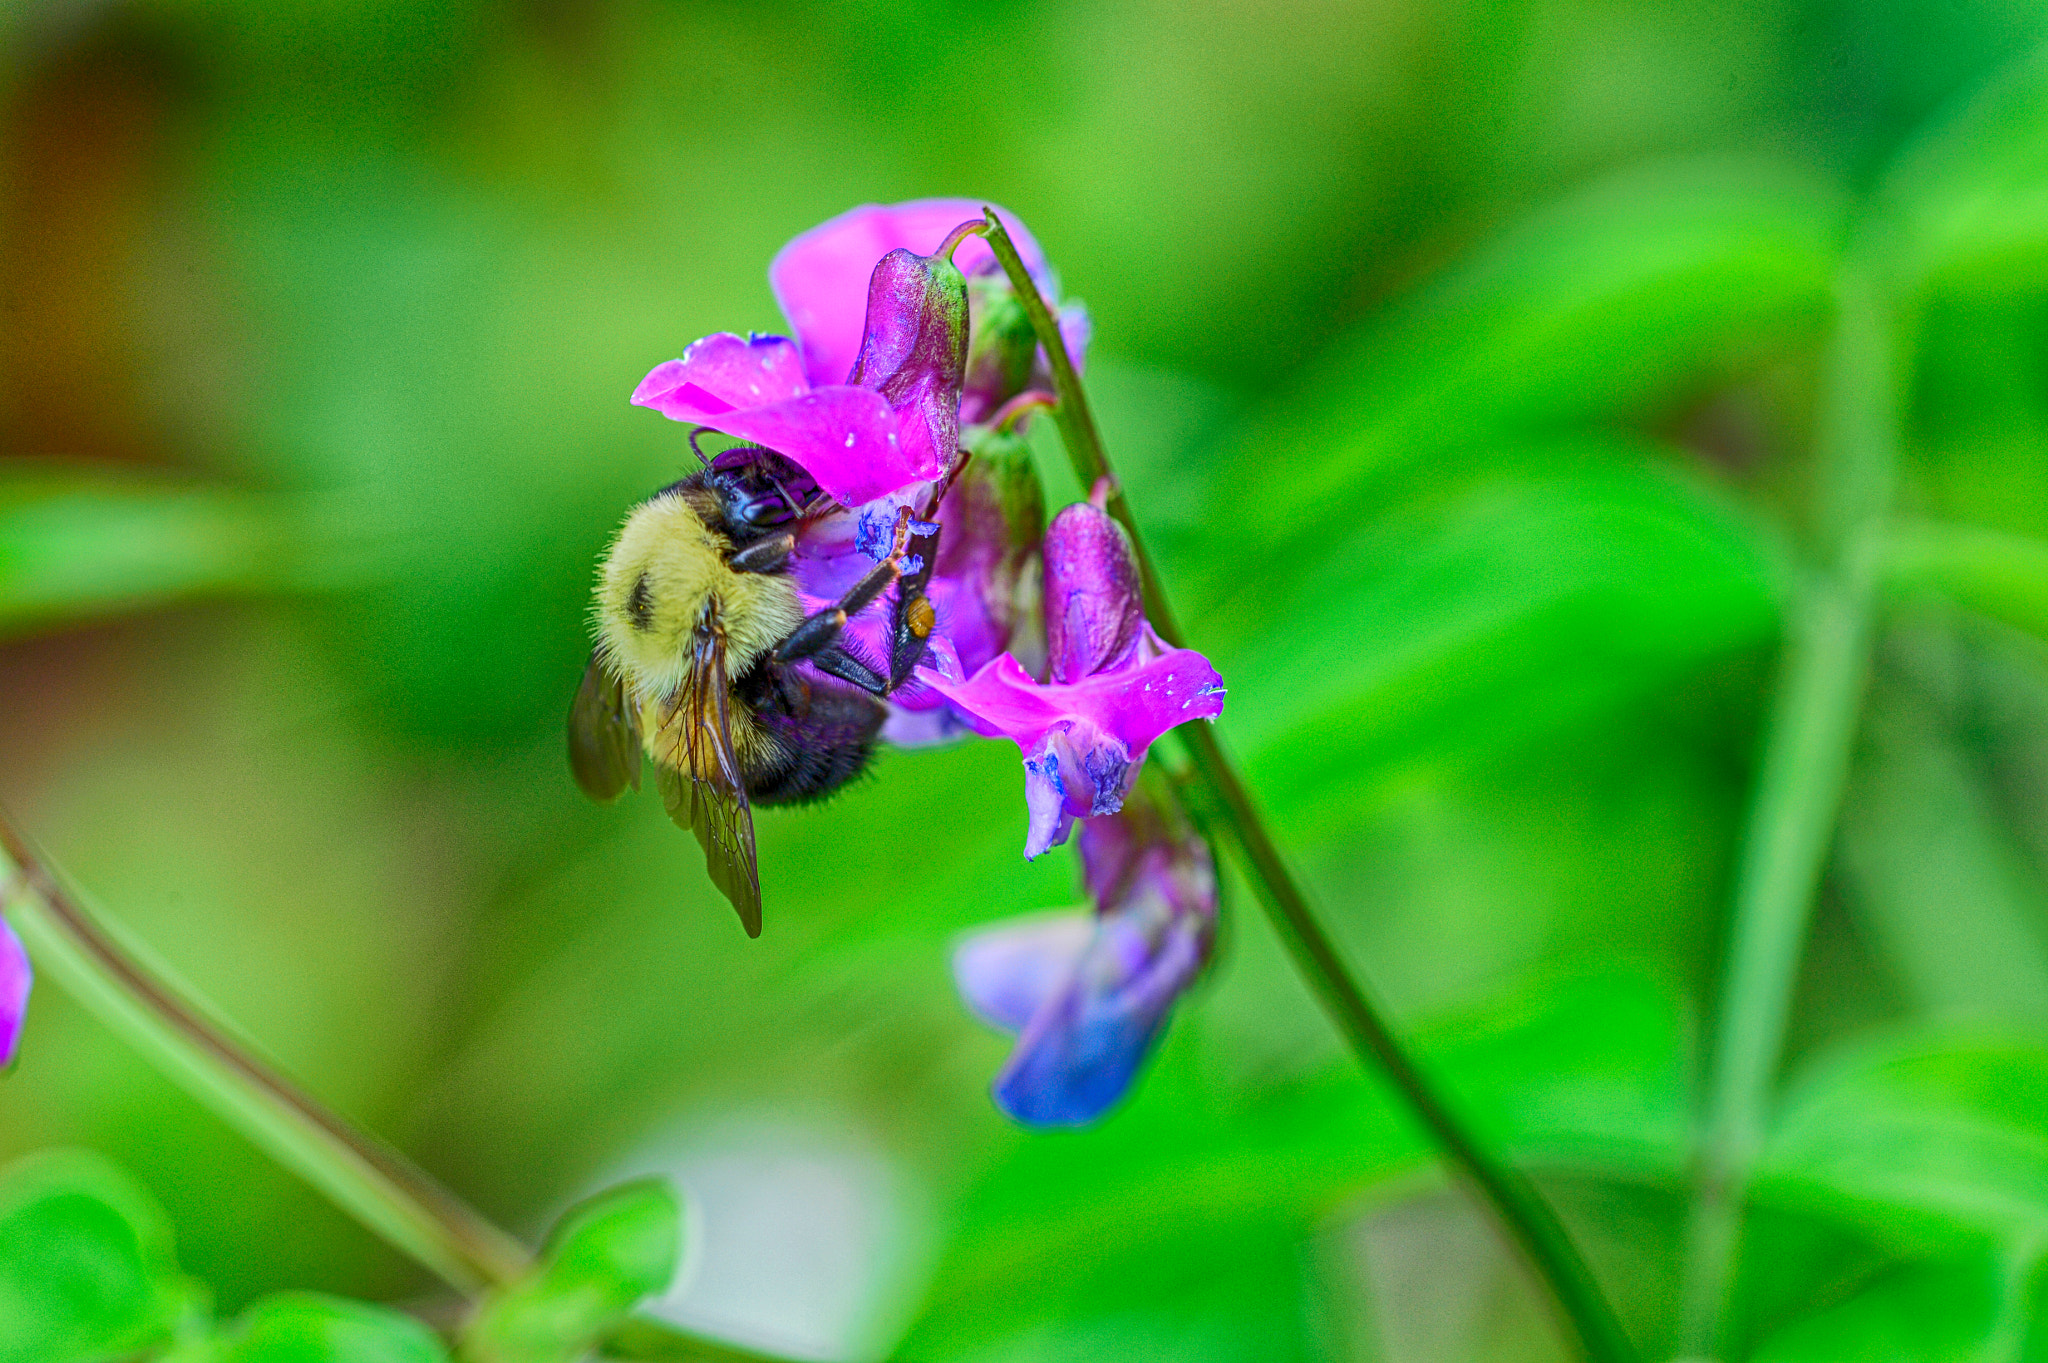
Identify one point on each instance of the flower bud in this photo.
(994, 515)
(1002, 349)
(914, 350)
(1094, 603)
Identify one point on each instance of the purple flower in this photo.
(892, 422)
(1113, 685)
(818, 276)
(1088, 997)
(15, 979)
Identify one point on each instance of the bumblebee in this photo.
(700, 634)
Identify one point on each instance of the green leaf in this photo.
(1931, 1140)
(86, 1264)
(299, 1327)
(1928, 1313)
(604, 1257)
(78, 545)
(1527, 603)
(1182, 1185)
(1944, 888)
(2002, 575)
(1622, 296)
(1968, 198)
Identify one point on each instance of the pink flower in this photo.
(891, 422)
(817, 277)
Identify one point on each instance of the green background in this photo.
(1461, 360)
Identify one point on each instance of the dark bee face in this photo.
(759, 492)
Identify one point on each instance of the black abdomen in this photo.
(822, 733)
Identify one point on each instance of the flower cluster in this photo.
(911, 365)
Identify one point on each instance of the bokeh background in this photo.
(1461, 359)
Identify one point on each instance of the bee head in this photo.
(652, 589)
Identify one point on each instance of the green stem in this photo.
(1799, 791)
(1527, 1219)
(366, 1178)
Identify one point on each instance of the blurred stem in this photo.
(366, 1178)
(1799, 789)
(1527, 1219)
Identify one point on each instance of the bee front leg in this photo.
(915, 618)
(837, 662)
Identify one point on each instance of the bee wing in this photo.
(604, 740)
(707, 795)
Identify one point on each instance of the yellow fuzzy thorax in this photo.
(651, 590)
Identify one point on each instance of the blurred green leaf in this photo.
(1969, 196)
(2005, 576)
(86, 1265)
(1932, 1313)
(1581, 1072)
(1945, 890)
(79, 544)
(603, 1257)
(1931, 1140)
(1646, 285)
(1528, 602)
(301, 1327)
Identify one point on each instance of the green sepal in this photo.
(602, 1259)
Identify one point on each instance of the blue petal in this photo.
(1008, 972)
(1081, 1050)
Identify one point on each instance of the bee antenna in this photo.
(694, 437)
(783, 493)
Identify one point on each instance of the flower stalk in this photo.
(1799, 790)
(1529, 1222)
(384, 1191)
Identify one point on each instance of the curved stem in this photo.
(391, 1196)
(1520, 1209)
(1798, 792)
(368, 1179)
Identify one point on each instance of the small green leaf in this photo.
(602, 1259)
(299, 1327)
(2002, 575)
(86, 1267)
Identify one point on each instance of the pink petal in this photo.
(848, 439)
(1136, 704)
(15, 979)
(723, 372)
(821, 277)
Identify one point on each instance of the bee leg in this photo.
(834, 661)
(768, 555)
(821, 630)
(915, 617)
